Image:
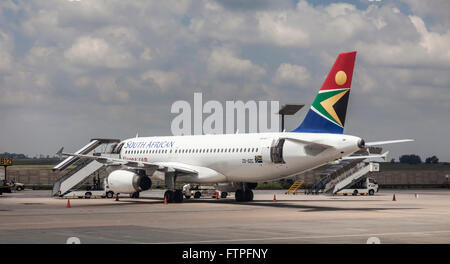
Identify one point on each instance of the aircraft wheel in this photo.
(169, 195)
(355, 193)
(134, 195)
(223, 195)
(178, 196)
(87, 195)
(239, 196)
(187, 196)
(248, 195)
(197, 195)
(371, 192)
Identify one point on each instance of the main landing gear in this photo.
(172, 195)
(244, 195)
(175, 196)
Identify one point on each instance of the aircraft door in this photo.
(276, 151)
(117, 149)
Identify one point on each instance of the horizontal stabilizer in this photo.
(377, 143)
(382, 156)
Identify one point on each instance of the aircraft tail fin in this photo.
(327, 113)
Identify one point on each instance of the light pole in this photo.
(288, 109)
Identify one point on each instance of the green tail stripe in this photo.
(324, 96)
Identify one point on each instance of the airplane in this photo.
(237, 162)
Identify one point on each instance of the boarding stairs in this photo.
(84, 167)
(350, 177)
(329, 173)
(333, 174)
(294, 187)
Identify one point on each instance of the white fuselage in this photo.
(241, 157)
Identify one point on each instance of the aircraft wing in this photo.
(169, 166)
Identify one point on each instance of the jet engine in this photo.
(124, 181)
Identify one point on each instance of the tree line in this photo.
(415, 159)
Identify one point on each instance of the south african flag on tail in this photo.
(327, 113)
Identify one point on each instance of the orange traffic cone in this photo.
(165, 199)
(217, 195)
(68, 203)
(416, 195)
(274, 198)
(393, 198)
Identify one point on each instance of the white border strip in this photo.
(332, 90)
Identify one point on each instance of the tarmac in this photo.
(33, 217)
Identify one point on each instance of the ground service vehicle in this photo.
(364, 186)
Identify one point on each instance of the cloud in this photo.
(291, 74)
(115, 67)
(164, 80)
(224, 63)
(96, 52)
(6, 46)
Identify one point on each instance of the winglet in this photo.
(384, 156)
(60, 152)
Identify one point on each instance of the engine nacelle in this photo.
(123, 181)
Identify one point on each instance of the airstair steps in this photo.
(65, 184)
(295, 186)
(349, 177)
(85, 167)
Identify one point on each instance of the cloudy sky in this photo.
(75, 70)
